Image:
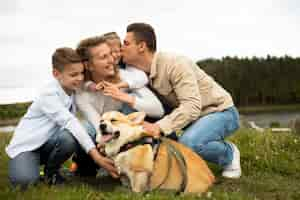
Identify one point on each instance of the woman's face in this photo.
(115, 46)
(102, 62)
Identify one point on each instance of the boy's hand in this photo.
(92, 87)
(104, 162)
(108, 164)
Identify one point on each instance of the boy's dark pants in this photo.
(86, 166)
(24, 169)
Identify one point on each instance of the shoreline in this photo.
(242, 110)
(9, 122)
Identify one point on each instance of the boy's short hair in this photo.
(84, 46)
(64, 56)
(143, 33)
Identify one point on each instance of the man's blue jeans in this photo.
(24, 169)
(206, 136)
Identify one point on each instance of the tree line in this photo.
(257, 81)
(251, 81)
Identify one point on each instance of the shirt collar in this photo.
(153, 68)
(68, 100)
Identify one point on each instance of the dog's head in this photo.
(119, 129)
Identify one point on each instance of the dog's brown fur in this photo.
(199, 176)
(146, 174)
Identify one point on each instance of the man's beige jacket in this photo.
(187, 89)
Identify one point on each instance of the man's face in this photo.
(102, 62)
(129, 49)
(71, 77)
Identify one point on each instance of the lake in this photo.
(265, 119)
(261, 119)
(7, 128)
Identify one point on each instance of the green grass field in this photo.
(270, 163)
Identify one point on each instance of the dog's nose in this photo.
(102, 127)
(116, 134)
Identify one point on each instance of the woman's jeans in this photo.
(24, 169)
(206, 136)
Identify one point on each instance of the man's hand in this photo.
(104, 162)
(151, 129)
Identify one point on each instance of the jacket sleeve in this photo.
(184, 83)
(146, 101)
(52, 107)
(135, 78)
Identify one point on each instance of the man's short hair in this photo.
(143, 33)
(84, 46)
(64, 56)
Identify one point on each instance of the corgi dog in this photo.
(153, 163)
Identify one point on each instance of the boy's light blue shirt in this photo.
(51, 111)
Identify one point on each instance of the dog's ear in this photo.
(136, 117)
(114, 115)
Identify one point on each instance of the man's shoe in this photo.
(233, 170)
(55, 179)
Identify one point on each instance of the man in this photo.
(198, 105)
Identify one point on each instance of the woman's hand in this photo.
(110, 89)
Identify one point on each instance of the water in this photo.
(16, 95)
(262, 119)
(5, 129)
(265, 119)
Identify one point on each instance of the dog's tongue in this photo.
(105, 138)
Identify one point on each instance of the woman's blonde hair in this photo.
(111, 36)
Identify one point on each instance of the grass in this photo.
(270, 163)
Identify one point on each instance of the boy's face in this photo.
(130, 49)
(102, 64)
(115, 45)
(71, 77)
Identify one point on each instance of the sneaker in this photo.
(233, 170)
(55, 179)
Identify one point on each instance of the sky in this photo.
(32, 30)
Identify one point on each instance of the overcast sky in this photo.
(31, 30)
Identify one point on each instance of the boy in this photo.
(49, 132)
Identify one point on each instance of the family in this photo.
(102, 75)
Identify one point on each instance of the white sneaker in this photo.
(233, 170)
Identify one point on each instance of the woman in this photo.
(101, 69)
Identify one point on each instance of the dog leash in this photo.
(169, 154)
(172, 150)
